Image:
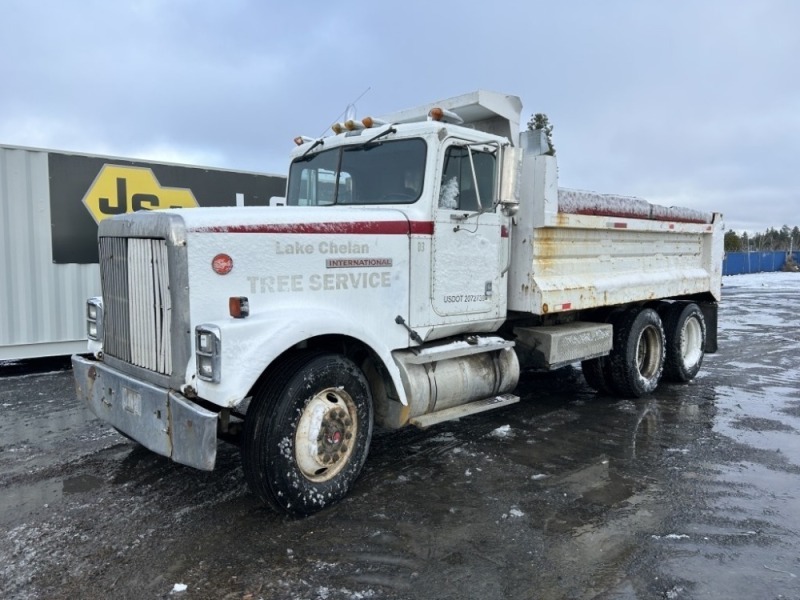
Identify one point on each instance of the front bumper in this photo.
(162, 420)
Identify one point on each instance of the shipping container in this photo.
(50, 205)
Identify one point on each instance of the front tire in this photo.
(307, 433)
(637, 359)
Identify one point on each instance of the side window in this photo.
(458, 190)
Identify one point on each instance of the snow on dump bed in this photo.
(580, 202)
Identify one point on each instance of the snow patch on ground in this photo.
(776, 280)
(671, 536)
(502, 432)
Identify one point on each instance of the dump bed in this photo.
(579, 250)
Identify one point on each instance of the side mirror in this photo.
(509, 167)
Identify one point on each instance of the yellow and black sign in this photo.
(84, 190)
(119, 190)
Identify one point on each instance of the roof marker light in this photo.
(369, 122)
(444, 115)
(352, 125)
(302, 139)
(337, 128)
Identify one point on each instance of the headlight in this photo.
(208, 345)
(205, 342)
(94, 319)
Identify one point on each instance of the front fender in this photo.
(250, 345)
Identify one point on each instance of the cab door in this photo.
(468, 238)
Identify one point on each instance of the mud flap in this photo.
(709, 310)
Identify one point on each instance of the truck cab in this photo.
(441, 179)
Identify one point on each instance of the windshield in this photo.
(386, 172)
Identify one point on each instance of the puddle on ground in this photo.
(19, 501)
(81, 483)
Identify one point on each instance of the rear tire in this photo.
(594, 372)
(307, 433)
(637, 359)
(685, 332)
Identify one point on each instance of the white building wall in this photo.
(41, 303)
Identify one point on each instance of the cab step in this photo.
(456, 412)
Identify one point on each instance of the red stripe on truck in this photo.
(356, 227)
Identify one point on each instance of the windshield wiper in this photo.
(318, 142)
(376, 136)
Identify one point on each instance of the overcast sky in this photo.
(682, 102)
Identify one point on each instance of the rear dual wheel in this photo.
(595, 372)
(685, 330)
(634, 366)
(637, 360)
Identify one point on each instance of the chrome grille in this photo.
(136, 302)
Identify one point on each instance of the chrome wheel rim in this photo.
(691, 342)
(326, 434)
(648, 352)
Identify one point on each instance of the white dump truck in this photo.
(422, 261)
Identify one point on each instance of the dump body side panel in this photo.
(563, 262)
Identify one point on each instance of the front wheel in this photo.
(307, 433)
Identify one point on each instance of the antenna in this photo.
(349, 110)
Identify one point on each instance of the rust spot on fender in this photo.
(92, 373)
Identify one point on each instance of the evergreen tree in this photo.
(785, 239)
(733, 242)
(540, 121)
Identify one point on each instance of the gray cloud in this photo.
(682, 102)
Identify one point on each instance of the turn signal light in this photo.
(239, 307)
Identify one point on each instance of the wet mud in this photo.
(692, 492)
